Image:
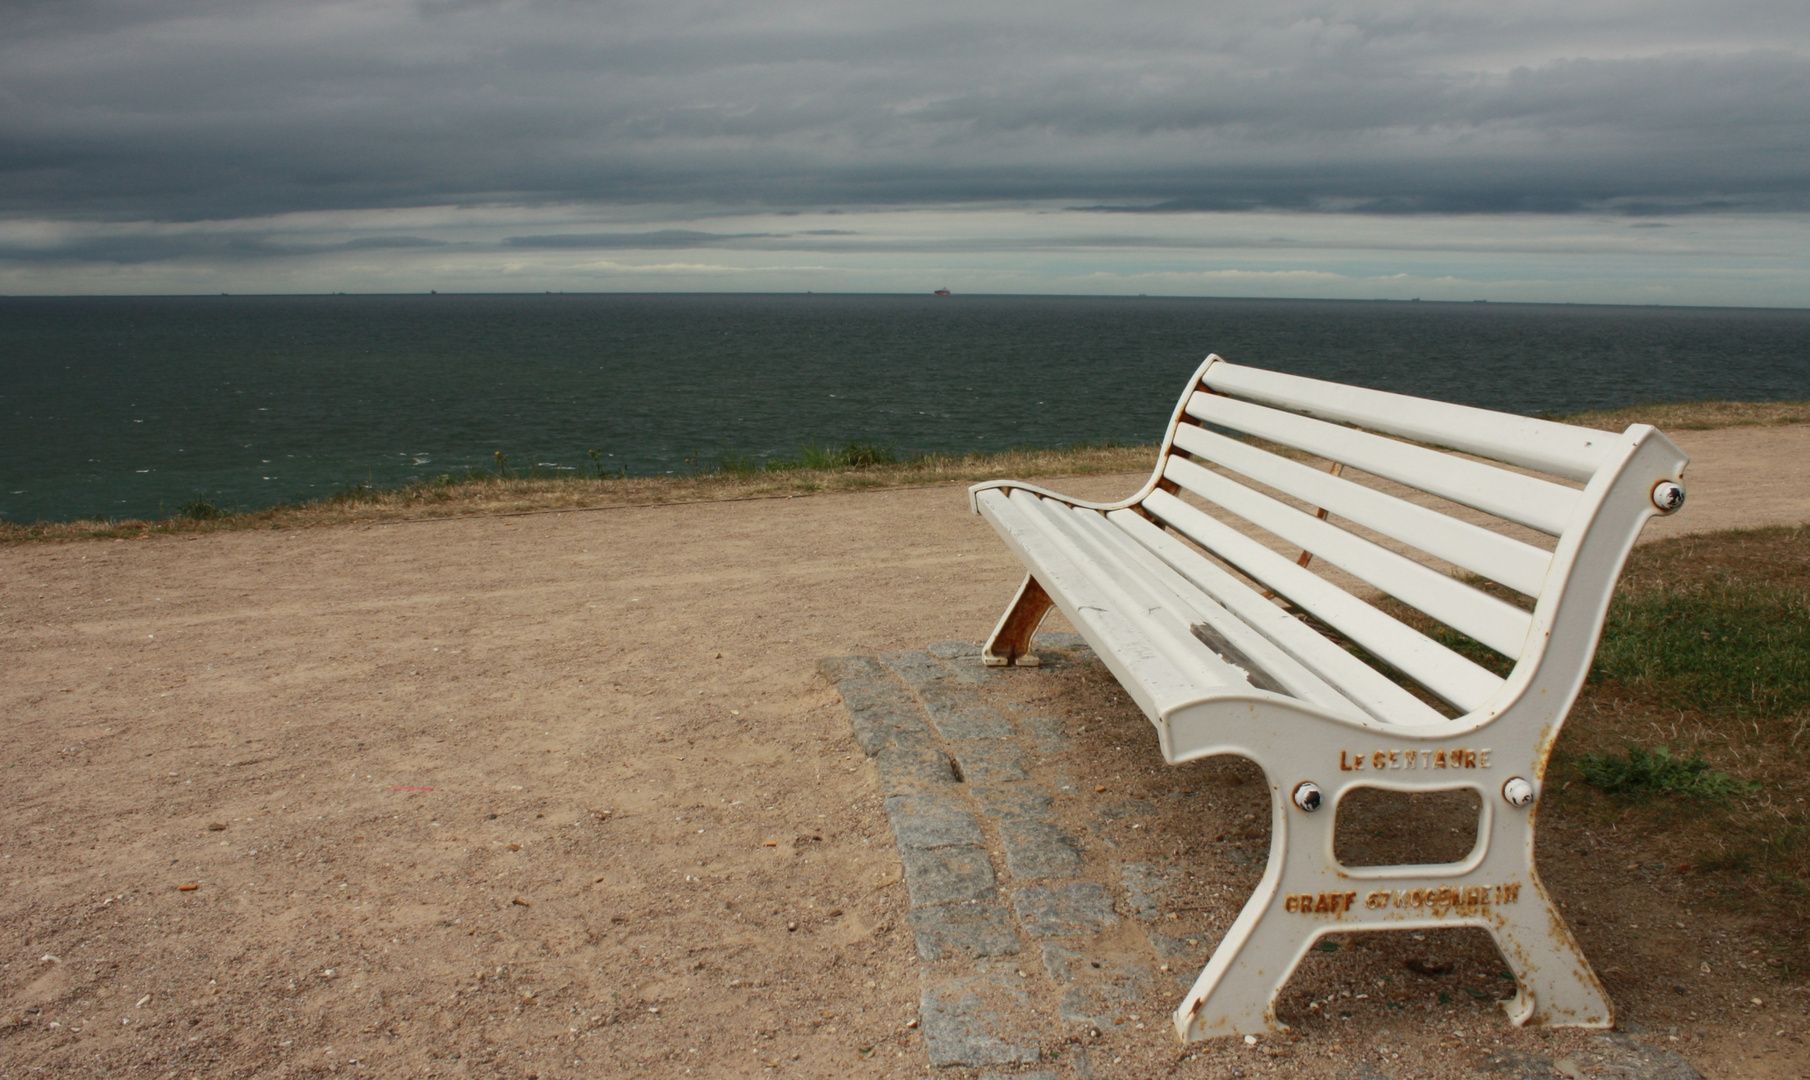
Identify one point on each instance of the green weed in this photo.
(201, 508)
(852, 455)
(620, 472)
(1643, 773)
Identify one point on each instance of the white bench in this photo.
(1207, 594)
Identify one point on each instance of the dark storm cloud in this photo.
(192, 109)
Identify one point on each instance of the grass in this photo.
(1693, 415)
(1690, 737)
(1717, 643)
(1642, 773)
(815, 469)
(200, 508)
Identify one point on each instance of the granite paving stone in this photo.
(935, 820)
(1038, 849)
(1100, 1005)
(1010, 800)
(1065, 965)
(963, 931)
(1045, 733)
(974, 1020)
(918, 669)
(838, 668)
(907, 770)
(953, 650)
(1079, 907)
(958, 715)
(1185, 961)
(865, 693)
(990, 762)
(1143, 883)
(962, 660)
(949, 875)
(1612, 1054)
(879, 726)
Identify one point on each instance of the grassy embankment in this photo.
(503, 490)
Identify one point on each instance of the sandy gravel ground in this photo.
(551, 795)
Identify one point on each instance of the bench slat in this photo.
(1520, 566)
(1439, 669)
(1271, 661)
(1526, 500)
(1561, 449)
(1362, 684)
(1165, 620)
(1150, 677)
(1501, 626)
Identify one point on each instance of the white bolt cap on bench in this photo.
(1230, 597)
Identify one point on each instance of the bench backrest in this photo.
(1428, 502)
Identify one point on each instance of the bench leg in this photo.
(1557, 987)
(1236, 992)
(1011, 640)
(1499, 892)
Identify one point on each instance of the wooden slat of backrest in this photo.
(1366, 687)
(1501, 626)
(1561, 449)
(1525, 500)
(1439, 669)
(1294, 677)
(1160, 619)
(1500, 558)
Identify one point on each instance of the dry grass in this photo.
(1695, 415)
(521, 495)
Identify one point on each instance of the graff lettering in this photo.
(1457, 757)
(1444, 899)
(1326, 903)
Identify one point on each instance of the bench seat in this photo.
(1235, 598)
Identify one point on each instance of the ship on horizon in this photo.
(944, 291)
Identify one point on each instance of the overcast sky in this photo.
(1589, 150)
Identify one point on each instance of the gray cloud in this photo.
(646, 241)
(200, 109)
(130, 249)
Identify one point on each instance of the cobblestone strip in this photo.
(956, 777)
(1002, 898)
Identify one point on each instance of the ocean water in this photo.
(117, 407)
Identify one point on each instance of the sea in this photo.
(121, 407)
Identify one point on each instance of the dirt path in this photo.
(555, 795)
